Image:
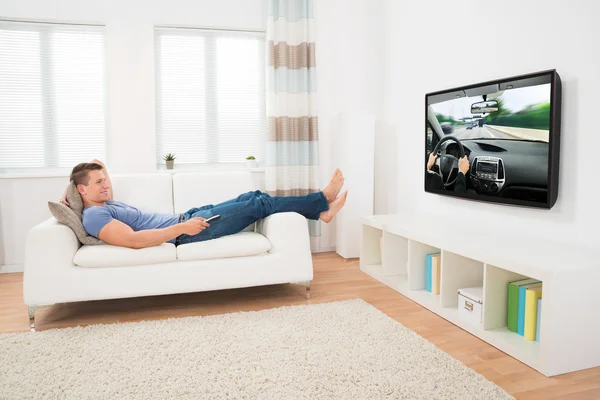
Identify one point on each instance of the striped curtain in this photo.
(293, 134)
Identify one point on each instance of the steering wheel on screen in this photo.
(447, 163)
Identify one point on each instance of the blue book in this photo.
(521, 314)
(428, 274)
(538, 318)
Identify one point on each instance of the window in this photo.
(210, 95)
(52, 95)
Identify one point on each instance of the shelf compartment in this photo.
(397, 282)
(458, 272)
(495, 296)
(417, 264)
(370, 255)
(394, 254)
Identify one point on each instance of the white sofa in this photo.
(273, 251)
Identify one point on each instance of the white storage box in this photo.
(470, 304)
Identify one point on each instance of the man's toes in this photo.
(343, 197)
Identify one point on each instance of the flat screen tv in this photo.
(496, 141)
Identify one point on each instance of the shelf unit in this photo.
(393, 251)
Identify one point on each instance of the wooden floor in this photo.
(334, 279)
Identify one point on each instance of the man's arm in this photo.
(120, 234)
(461, 179)
(460, 185)
(110, 193)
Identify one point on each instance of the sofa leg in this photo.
(307, 290)
(32, 310)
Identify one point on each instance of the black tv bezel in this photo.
(553, 149)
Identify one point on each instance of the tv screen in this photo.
(496, 141)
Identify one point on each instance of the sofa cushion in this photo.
(115, 256)
(239, 245)
(152, 192)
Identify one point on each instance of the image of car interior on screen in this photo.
(501, 131)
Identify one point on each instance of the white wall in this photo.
(426, 50)
(23, 203)
(350, 76)
(130, 76)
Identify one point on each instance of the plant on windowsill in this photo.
(251, 162)
(170, 160)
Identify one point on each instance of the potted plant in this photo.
(251, 162)
(170, 160)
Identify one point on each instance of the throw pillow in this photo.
(74, 199)
(66, 216)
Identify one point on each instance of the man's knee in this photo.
(258, 194)
(263, 194)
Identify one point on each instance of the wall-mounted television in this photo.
(496, 141)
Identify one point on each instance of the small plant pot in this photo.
(251, 164)
(170, 164)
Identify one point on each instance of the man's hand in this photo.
(194, 226)
(463, 165)
(431, 161)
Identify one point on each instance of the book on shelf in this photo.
(513, 302)
(431, 269)
(532, 295)
(522, 302)
(436, 261)
(538, 319)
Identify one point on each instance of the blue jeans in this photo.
(244, 210)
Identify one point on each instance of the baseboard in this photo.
(11, 268)
(324, 249)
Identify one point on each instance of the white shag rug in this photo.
(339, 350)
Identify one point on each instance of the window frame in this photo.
(211, 113)
(49, 133)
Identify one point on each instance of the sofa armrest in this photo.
(49, 250)
(287, 232)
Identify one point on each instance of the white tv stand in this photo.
(475, 255)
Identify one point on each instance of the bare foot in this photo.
(334, 186)
(334, 207)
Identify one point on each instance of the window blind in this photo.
(210, 95)
(52, 95)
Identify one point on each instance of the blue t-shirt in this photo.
(94, 218)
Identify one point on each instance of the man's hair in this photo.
(79, 175)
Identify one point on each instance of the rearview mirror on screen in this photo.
(484, 107)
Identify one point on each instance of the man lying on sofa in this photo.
(120, 224)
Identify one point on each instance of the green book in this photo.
(513, 302)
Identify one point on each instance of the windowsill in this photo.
(176, 170)
(34, 175)
(196, 168)
(192, 170)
